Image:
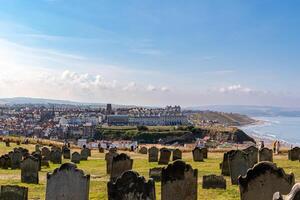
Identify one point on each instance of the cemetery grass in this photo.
(96, 167)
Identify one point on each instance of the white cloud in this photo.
(235, 88)
(151, 88)
(130, 86)
(165, 89)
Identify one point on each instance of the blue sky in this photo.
(152, 52)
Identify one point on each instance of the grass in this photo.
(96, 167)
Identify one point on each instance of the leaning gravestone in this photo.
(224, 164)
(179, 181)
(293, 195)
(16, 158)
(30, 170)
(265, 154)
(294, 154)
(153, 154)
(165, 155)
(55, 156)
(238, 165)
(143, 150)
(263, 180)
(108, 158)
(85, 153)
(66, 183)
(198, 155)
(252, 152)
(120, 164)
(131, 186)
(177, 155)
(213, 182)
(66, 153)
(155, 173)
(76, 157)
(13, 192)
(46, 152)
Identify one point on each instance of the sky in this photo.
(151, 52)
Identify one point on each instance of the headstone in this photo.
(13, 192)
(177, 154)
(66, 153)
(37, 147)
(131, 186)
(205, 152)
(101, 150)
(155, 174)
(165, 155)
(294, 154)
(55, 156)
(120, 164)
(45, 162)
(179, 181)
(198, 155)
(16, 158)
(38, 156)
(293, 195)
(67, 182)
(213, 182)
(143, 150)
(85, 153)
(238, 165)
(7, 143)
(252, 152)
(108, 158)
(224, 164)
(5, 161)
(265, 154)
(18, 143)
(76, 157)
(30, 170)
(153, 154)
(263, 180)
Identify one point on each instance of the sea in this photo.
(285, 129)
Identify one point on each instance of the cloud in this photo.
(164, 89)
(235, 88)
(130, 86)
(151, 88)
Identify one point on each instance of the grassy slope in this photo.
(96, 167)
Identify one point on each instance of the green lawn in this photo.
(95, 166)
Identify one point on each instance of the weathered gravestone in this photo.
(55, 156)
(238, 165)
(7, 143)
(85, 153)
(224, 164)
(198, 155)
(131, 186)
(153, 154)
(143, 150)
(252, 152)
(294, 154)
(120, 164)
(66, 183)
(213, 182)
(76, 157)
(4, 161)
(205, 152)
(179, 182)
(108, 158)
(155, 173)
(30, 170)
(13, 192)
(265, 154)
(15, 158)
(46, 152)
(263, 180)
(293, 195)
(164, 157)
(66, 153)
(38, 156)
(177, 154)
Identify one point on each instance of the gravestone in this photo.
(165, 155)
(85, 153)
(55, 156)
(131, 186)
(120, 164)
(4, 161)
(213, 182)
(7, 143)
(224, 164)
(101, 150)
(263, 180)
(30, 170)
(294, 153)
(37, 147)
(108, 158)
(66, 183)
(177, 155)
(15, 158)
(198, 155)
(293, 195)
(46, 152)
(252, 152)
(13, 192)
(179, 181)
(45, 162)
(143, 150)
(265, 154)
(66, 153)
(155, 174)
(37, 155)
(205, 152)
(18, 143)
(76, 157)
(153, 154)
(238, 165)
